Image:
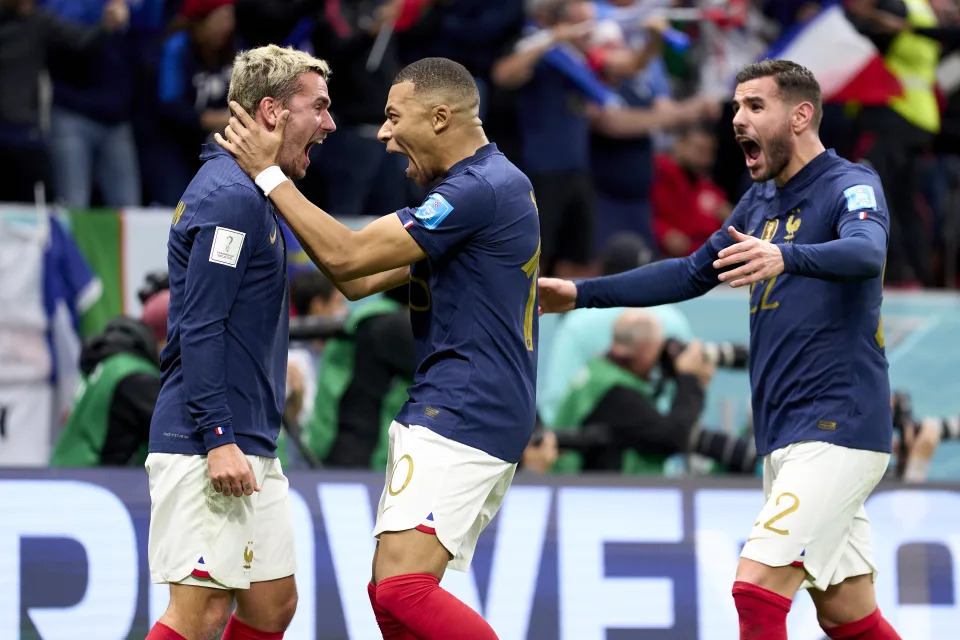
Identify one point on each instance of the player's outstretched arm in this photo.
(343, 254)
(651, 285)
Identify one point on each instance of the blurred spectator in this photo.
(91, 131)
(195, 69)
(895, 136)
(363, 383)
(358, 176)
(554, 130)
(584, 334)
(472, 32)
(622, 150)
(687, 206)
(109, 424)
(28, 36)
(609, 420)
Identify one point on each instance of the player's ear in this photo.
(440, 118)
(802, 116)
(268, 112)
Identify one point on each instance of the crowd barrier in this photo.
(566, 558)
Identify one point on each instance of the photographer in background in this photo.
(609, 420)
(109, 424)
(915, 441)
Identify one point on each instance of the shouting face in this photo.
(761, 124)
(309, 123)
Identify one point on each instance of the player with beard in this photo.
(809, 238)
(220, 523)
(470, 253)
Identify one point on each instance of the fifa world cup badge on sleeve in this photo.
(432, 212)
(860, 197)
(226, 246)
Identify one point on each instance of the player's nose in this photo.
(327, 123)
(384, 134)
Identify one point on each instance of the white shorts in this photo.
(443, 487)
(814, 516)
(203, 538)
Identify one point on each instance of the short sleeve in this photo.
(457, 210)
(861, 198)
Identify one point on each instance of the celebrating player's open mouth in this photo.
(751, 149)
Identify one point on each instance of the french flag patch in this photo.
(218, 431)
(862, 215)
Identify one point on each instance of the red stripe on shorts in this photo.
(197, 573)
(422, 528)
(797, 563)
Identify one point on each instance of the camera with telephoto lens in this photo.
(725, 355)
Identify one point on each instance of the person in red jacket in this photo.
(687, 205)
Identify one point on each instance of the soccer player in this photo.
(220, 524)
(474, 246)
(809, 238)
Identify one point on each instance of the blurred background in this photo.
(618, 111)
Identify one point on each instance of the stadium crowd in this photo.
(619, 116)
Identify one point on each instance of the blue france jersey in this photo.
(818, 369)
(473, 305)
(223, 371)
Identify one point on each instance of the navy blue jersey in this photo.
(818, 369)
(223, 370)
(473, 304)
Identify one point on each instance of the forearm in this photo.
(203, 361)
(856, 255)
(516, 69)
(369, 285)
(651, 285)
(323, 238)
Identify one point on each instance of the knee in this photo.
(271, 616)
(214, 618)
(286, 610)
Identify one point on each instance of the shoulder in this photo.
(468, 189)
(224, 198)
(855, 185)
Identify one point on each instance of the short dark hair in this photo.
(442, 76)
(795, 82)
(305, 287)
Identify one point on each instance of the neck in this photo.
(807, 149)
(465, 146)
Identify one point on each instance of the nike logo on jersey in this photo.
(273, 236)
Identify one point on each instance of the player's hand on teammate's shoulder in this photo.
(252, 145)
(556, 295)
(230, 472)
(762, 260)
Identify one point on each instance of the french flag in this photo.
(846, 64)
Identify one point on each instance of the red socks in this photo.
(161, 631)
(237, 630)
(427, 612)
(390, 627)
(763, 613)
(873, 627)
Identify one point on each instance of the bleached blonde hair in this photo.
(271, 71)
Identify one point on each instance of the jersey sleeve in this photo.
(457, 210)
(226, 229)
(861, 199)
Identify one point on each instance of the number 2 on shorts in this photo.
(793, 507)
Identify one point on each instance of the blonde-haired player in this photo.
(220, 525)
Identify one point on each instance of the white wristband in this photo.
(269, 179)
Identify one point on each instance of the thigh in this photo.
(72, 141)
(270, 553)
(117, 167)
(577, 227)
(197, 536)
(816, 493)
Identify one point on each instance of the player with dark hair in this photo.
(474, 247)
(809, 238)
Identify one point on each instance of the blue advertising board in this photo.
(566, 558)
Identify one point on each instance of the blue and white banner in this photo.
(575, 559)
